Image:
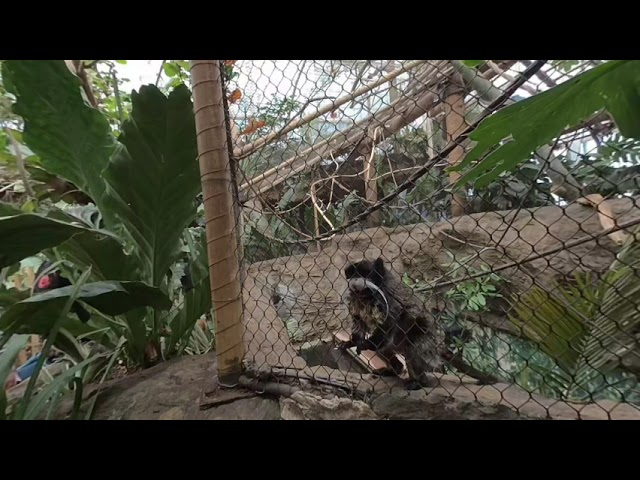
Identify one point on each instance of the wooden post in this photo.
(219, 210)
(454, 112)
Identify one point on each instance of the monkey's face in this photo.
(365, 278)
(373, 272)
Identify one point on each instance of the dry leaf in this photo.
(253, 126)
(235, 96)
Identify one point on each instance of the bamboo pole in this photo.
(455, 124)
(221, 228)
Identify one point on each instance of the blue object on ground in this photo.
(26, 370)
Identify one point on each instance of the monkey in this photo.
(383, 307)
(54, 280)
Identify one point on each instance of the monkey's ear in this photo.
(350, 271)
(378, 267)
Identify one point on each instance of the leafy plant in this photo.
(32, 406)
(588, 329)
(611, 170)
(140, 231)
(530, 123)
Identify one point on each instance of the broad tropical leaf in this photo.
(153, 179)
(7, 359)
(196, 302)
(104, 254)
(528, 124)
(27, 234)
(72, 139)
(36, 314)
(99, 249)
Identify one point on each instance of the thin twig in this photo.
(24, 175)
(358, 79)
(295, 84)
(160, 72)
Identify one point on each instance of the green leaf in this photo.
(171, 69)
(528, 124)
(197, 301)
(39, 402)
(24, 235)
(10, 296)
(72, 139)
(472, 63)
(36, 314)
(121, 62)
(8, 210)
(99, 249)
(7, 359)
(153, 179)
(103, 253)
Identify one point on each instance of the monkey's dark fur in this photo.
(381, 305)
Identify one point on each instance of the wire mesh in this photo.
(518, 292)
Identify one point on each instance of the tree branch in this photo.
(261, 142)
(442, 155)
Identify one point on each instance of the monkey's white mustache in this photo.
(360, 285)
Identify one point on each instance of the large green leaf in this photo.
(28, 234)
(10, 296)
(36, 314)
(72, 139)
(99, 249)
(196, 302)
(7, 359)
(153, 179)
(528, 124)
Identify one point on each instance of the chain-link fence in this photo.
(461, 226)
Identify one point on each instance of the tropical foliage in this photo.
(105, 183)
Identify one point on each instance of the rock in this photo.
(315, 283)
(307, 406)
(256, 408)
(172, 390)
